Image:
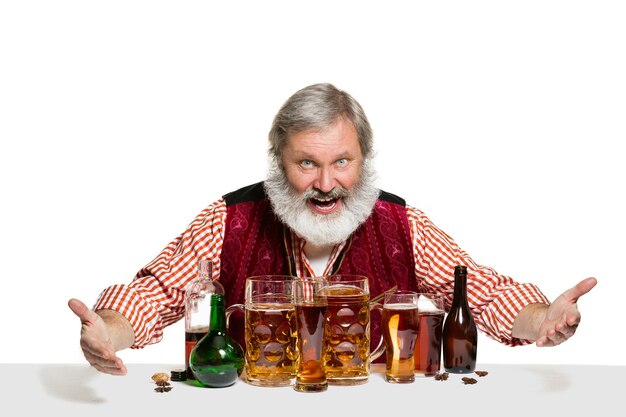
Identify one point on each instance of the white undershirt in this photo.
(318, 257)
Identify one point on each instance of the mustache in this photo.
(337, 192)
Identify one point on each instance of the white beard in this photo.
(321, 229)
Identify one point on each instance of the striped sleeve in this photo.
(155, 297)
(495, 300)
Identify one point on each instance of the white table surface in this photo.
(77, 389)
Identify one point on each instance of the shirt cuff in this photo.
(142, 316)
(497, 319)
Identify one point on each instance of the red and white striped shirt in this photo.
(155, 297)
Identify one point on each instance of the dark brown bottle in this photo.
(460, 336)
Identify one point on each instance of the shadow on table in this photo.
(552, 379)
(70, 383)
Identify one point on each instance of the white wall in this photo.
(121, 120)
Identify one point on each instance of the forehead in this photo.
(340, 137)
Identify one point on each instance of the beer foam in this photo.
(400, 306)
(427, 305)
(335, 290)
(275, 307)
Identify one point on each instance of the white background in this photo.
(121, 120)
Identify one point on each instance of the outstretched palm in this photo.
(562, 317)
(95, 340)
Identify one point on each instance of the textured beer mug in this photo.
(270, 332)
(347, 356)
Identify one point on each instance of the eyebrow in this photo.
(309, 156)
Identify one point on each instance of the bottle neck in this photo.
(218, 313)
(460, 290)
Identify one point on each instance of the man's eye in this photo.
(342, 162)
(306, 164)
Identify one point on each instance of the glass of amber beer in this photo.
(400, 329)
(270, 330)
(311, 309)
(347, 354)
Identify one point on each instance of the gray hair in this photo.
(316, 107)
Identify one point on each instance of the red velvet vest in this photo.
(254, 244)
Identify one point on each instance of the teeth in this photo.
(326, 205)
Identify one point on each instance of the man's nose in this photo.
(325, 181)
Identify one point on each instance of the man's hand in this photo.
(551, 325)
(95, 340)
(562, 316)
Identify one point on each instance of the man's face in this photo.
(322, 188)
(326, 164)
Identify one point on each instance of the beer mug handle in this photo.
(380, 349)
(230, 310)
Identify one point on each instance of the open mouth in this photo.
(324, 204)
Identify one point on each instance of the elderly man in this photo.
(318, 213)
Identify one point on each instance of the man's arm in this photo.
(120, 329)
(495, 299)
(528, 321)
(551, 325)
(154, 299)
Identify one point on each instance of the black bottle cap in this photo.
(178, 375)
(460, 269)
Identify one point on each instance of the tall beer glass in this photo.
(310, 316)
(400, 330)
(427, 355)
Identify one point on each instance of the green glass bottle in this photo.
(198, 309)
(217, 359)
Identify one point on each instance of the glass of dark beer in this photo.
(427, 355)
(400, 328)
(311, 307)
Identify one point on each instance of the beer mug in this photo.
(270, 331)
(347, 354)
